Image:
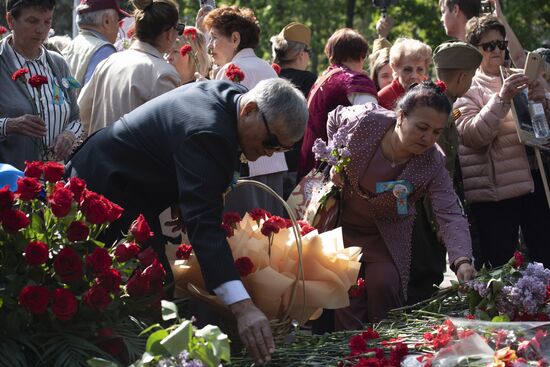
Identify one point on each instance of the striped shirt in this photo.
(51, 103)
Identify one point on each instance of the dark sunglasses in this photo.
(490, 46)
(272, 142)
(180, 27)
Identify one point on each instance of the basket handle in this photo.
(297, 234)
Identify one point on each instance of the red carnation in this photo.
(68, 265)
(441, 85)
(357, 289)
(131, 32)
(147, 256)
(94, 208)
(14, 220)
(370, 334)
(357, 345)
(140, 230)
(28, 188)
(229, 232)
(190, 32)
(138, 286)
(269, 228)
(61, 202)
(519, 260)
(244, 266)
(126, 251)
(277, 68)
(34, 169)
(305, 228)
(99, 260)
(53, 171)
(234, 73)
(77, 186)
(97, 298)
(369, 362)
(35, 298)
(231, 218)
(6, 198)
(3, 30)
(184, 251)
(77, 231)
(64, 304)
(258, 213)
(185, 49)
(36, 253)
(36, 81)
(110, 279)
(19, 74)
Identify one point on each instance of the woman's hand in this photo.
(384, 26)
(512, 85)
(465, 270)
(28, 125)
(498, 9)
(63, 145)
(336, 178)
(537, 92)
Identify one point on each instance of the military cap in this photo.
(457, 55)
(297, 32)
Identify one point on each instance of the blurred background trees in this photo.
(530, 20)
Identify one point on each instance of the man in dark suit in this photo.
(184, 146)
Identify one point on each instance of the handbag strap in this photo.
(319, 83)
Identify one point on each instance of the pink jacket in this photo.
(493, 161)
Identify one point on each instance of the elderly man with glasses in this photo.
(185, 146)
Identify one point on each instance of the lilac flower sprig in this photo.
(336, 153)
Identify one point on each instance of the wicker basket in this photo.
(281, 326)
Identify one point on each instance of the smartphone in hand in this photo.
(532, 66)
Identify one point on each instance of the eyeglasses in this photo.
(307, 50)
(272, 142)
(490, 46)
(180, 27)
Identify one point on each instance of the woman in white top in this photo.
(234, 33)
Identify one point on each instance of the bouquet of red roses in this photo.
(64, 297)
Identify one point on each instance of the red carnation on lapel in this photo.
(19, 74)
(234, 73)
(36, 81)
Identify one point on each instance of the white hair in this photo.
(93, 18)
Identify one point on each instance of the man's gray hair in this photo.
(282, 104)
(93, 18)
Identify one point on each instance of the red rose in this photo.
(229, 232)
(53, 171)
(184, 251)
(28, 188)
(140, 230)
(115, 211)
(3, 30)
(277, 68)
(77, 186)
(244, 266)
(258, 214)
(114, 345)
(64, 304)
(126, 251)
(61, 202)
(231, 218)
(185, 49)
(155, 272)
(68, 266)
(36, 253)
(147, 256)
(110, 279)
(19, 74)
(34, 169)
(14, 220)
(519, 260)
(35, 298)
(36, 81)
(94, 208)
(357, 289)
(99, 260)
(137, 285)
(234, 73)
(190, 32)
(97, 298)
(77, 231)
(6, 198)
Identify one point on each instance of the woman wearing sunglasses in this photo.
(503, 191)
(130, 78)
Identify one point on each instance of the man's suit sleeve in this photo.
(204, 168)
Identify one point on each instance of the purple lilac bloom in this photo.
(538, 270)
(529, 293)
(320, 149)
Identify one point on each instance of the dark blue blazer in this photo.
(179, 147)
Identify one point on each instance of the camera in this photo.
(383, 5)
(486, 7)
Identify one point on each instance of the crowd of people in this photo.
(158, 115)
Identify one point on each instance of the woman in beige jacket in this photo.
(130, 78)
(503, 192)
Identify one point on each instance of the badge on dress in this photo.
(58, 96)
(400, 189)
